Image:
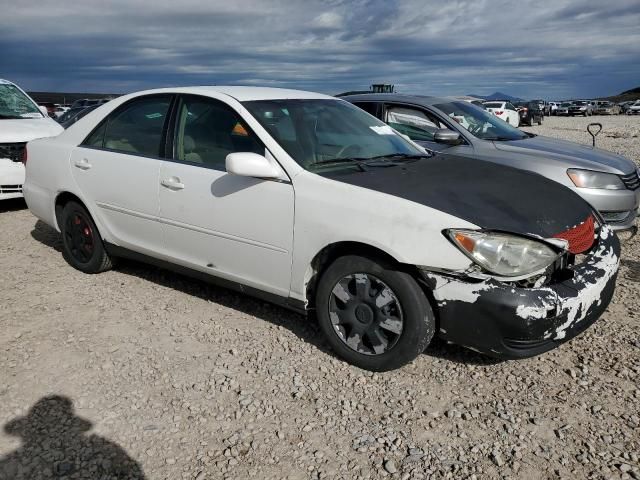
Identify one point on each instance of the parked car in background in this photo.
(21, 120)
(624, 106)
(581, 107)
(553, 107)
(504, 111)
(543, 106)
(59, 111)
(529, 112)
(563, 109)
(604, 107)
(51, 108)
(634, 108)
(85, 102)
(608, 181)
(75, 114)
(306, 191)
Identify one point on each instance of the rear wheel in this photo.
(83, 247)
(373, 316)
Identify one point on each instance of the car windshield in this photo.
(15, 104)
(493, 104)
(580, 104)
(328, 132)
(565, 105)
(479, 122)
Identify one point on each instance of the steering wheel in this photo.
(346, 148)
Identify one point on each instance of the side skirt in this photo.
(289, 303)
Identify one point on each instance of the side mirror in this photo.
(446, 136)
(248, 164)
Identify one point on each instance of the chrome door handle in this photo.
(83, 164)
(172, 183)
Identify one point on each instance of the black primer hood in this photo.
(489, 195)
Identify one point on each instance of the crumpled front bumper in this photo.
(507, 321)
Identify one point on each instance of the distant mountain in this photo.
(496, 96)
(633, 94)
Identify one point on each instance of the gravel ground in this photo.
(141, 373)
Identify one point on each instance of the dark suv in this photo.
(530, 112)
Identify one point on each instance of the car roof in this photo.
(242, 93)
(398, 97)
(6, 82)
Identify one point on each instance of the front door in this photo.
(234, 227)
(117, 169)
(420, 126)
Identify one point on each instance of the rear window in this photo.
(493, 104)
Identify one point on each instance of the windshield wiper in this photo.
(502, 139)
(402, 156)
(10, 117)
(359, 162)
(388, 160)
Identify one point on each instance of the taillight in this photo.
(498, 112)
(24, 155)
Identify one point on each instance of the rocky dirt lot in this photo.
(142, 373)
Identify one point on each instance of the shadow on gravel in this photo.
(12, 205)
(55, 444)
(306, 330)
(634, 269)
(453, 353)
(46, 235)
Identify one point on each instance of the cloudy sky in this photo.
(550, 49)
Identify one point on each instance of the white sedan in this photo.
(21, 120)
(309, 202)
(504, 111)
(634, 109)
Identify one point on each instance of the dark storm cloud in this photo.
(552, 49)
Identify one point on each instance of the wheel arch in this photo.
(61, 200)
(332, 251)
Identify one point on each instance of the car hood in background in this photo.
(27, 129)
(486, 194)
(573, 154)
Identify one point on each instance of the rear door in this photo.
(117, 168)
(234, 227)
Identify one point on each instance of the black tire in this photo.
(82, 244)
(540, 121)
(406, 302)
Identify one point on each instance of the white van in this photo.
(20, 121)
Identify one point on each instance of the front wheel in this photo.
(83, 247)
(372, 315)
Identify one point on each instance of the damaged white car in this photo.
(20, 121)
(309, 202)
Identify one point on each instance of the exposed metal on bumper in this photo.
(507, 321)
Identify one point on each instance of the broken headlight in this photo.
(503, 254)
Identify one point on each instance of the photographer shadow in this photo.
(55, 444)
